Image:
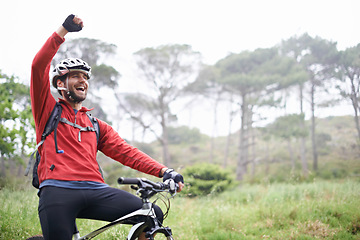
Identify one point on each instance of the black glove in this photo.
(70, 25)
(171, 174)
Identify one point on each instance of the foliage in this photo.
(207, 179)
(289, 126)
(249, 72)
(322, 140)
(184, 134)
(15, 117)
(349, 75)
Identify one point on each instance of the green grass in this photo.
(317, 210)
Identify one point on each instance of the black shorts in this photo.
(59, 207)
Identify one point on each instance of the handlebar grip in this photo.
(123, 180)
(147, 184)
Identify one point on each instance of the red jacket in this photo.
(78, 162)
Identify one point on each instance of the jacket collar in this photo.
(83, 109)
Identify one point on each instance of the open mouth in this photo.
(82, 89)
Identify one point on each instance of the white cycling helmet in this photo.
(68, 65)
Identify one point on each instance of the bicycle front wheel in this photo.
(37, 237)
(159, 237)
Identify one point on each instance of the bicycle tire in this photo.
(36, 237)
(159, 237)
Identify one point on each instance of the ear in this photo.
(60, 83)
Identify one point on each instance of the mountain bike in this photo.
(144, 219)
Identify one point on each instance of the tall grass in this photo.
(317, 210)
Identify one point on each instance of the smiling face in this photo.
(77, 86)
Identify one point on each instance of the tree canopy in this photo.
(15, 117)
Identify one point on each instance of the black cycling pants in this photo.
(59, 207)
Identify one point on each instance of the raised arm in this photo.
(41, 99)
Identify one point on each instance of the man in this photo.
(71, 184)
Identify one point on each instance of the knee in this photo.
(159, 213)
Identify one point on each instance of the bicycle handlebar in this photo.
(147, 184)
(122, 180)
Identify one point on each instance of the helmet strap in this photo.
(67, 87)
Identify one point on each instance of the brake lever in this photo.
(172, 186)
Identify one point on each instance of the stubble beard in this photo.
(71, 96)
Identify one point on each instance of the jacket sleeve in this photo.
(113, 146)
(42, 101)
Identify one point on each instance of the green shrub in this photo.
(205, 179)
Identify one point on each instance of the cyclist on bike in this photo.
(71, 185)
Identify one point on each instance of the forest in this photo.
(248, 86)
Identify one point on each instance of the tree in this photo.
(349, 73)
(15, 119)
(320, 64)
(287, 128)
(254, 77)
(318, 57)
(167, 70)
(295, 47)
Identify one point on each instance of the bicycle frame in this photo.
(135, 229)
(142, 219)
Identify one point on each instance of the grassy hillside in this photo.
(339, 154)
(315, 210)
(274, 202)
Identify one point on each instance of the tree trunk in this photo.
(354, 100)
(313, 126)
(227, 147)
(291, 155)
(241, 161)
(253, 152)
(228, 139)
(165, 143)
(12, 167)
(267, 160)
(3, 168)
(20, 171)
(304, 165)
(165, 135)
(214, 132)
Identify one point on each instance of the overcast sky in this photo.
(215, 28)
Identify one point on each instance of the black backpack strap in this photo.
(53, 120)
(50, 125)
(27, 170)
(56, 121)
(96, 126)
